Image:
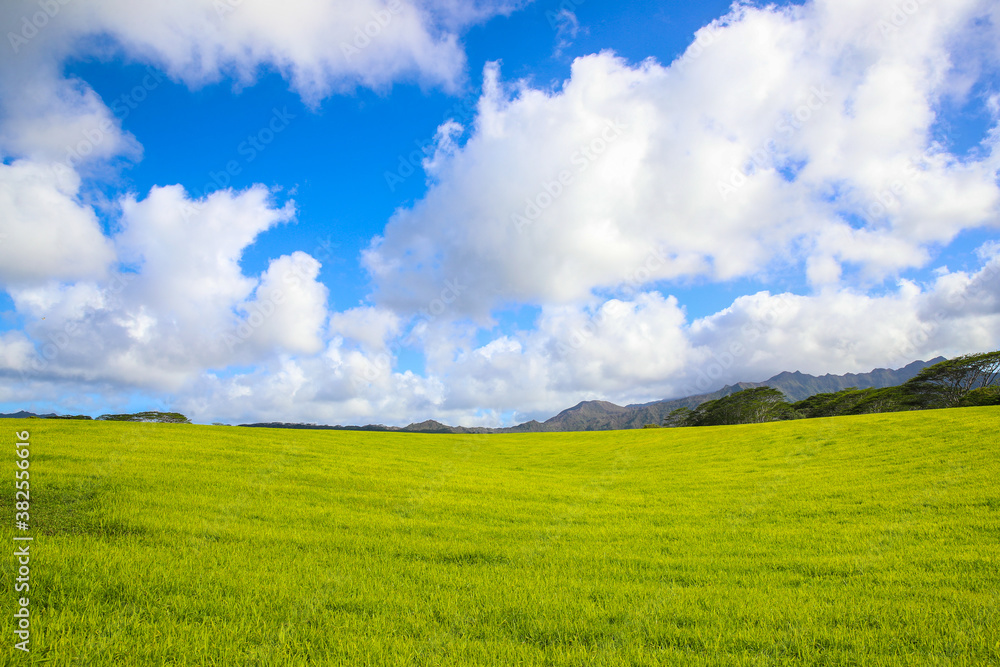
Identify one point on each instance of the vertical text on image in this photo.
(22, 546)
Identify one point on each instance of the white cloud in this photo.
(321, 47)
(52, 127)
(566, 25)
(15, 351)
(616, 348)
(817, 149)
(288, 310)
(633, 350)
(49, 119)
(188, 252)
(644, 349)
(339, 385)
(183, 303)
(45, 233)
(371, 327)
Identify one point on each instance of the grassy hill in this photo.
(855, 540)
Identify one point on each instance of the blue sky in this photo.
(486, 212)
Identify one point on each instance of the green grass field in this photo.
(849, 541)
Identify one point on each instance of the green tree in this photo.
(152, 416)
(831, 404)
(680, 417)
(855, 401)
(887, 399)
(750, 406)
(946, 384)
(982, 396)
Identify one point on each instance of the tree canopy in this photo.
(946, 384)
(152, 416)
(969, 380)
(750, 406)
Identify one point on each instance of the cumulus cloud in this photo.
(626, 350)
(46, 234)
(637, 349)
(816, 151)
(847, 331)
(50, 119)
(321, 47)
(342, 384)
(372, 328)
(571, 353)
(645, 348)
(188, 252)
(54, 128)
(182, 303)
(288, 310)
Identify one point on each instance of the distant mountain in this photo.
(589, 416)
(602, 415)
(605, 416)
(797, 386)
(428, 426)
(322, 427)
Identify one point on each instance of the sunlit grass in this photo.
(856, 540)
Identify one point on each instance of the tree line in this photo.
(969, 380)
(152, 416)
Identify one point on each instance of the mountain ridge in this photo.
(599, 415)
